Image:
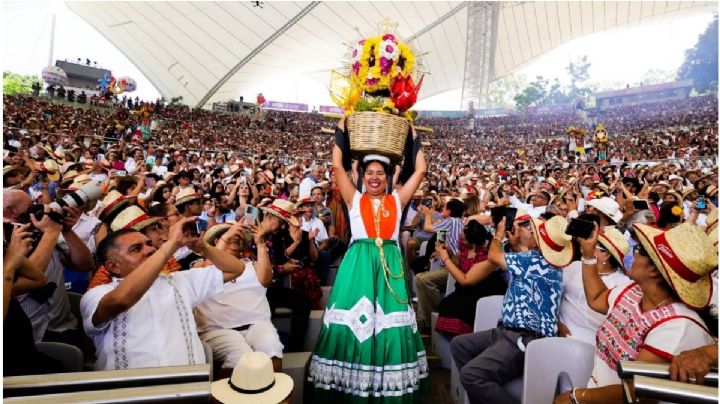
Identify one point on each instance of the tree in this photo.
(579, 75)
(502, 91)
(657, 76)
(701, 61)
(176, 100)
(14, 83)
(532, 94)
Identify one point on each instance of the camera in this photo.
(79, 198)
(441, 236)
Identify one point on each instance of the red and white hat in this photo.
(113, 202)
(616, 243)
(555, 246)
(133, 217)
(282, 209)
(685, 256)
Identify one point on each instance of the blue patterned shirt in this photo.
(532, 300)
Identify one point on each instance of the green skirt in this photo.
(369, 349)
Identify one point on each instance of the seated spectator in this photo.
(488, 359)
(430, 285)
(152, 309)
(420, 235)
(651, 319)
(475, 278)
(238, 319)
(315, 228)
(577, 319)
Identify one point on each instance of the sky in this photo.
(616, 56)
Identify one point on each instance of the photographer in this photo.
(48, 308)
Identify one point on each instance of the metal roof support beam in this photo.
(437, 22)
(305, 11)
(482, 22)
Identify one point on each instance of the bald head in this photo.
(15, 202)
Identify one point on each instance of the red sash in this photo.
(387, 224)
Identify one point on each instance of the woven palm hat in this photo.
(711, 190)
(616, 243)
(253, 381)
(134, 218)
(687, 191)
(69, 177)
(685, 257)
(78, 182)
(282, 209)
(216, 231)
(186, 195)
(551, 181)
(49, 167)
(522, 215)
(113, 202)
(555, 246)
(712, 228)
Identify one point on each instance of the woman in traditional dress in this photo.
(369, 348)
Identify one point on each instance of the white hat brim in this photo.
(222, 392)
(558, 259)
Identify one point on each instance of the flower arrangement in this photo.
(601, 134)
(379, 77)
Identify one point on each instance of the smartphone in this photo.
(442, 236)
(641, 204)
(700, 203)
(499, 212)
(427, 202)
(580, 228)
(251, 214)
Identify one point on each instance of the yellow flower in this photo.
(676, 210)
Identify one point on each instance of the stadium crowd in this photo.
(157, 283)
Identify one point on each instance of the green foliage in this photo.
(369, 104)
(14, 83)
(541, 92)
(502, 91)
(657, 76)
(176, 100)
(701, 61)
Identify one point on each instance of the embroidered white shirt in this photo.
(159, 330)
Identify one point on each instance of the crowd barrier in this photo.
(651, 381)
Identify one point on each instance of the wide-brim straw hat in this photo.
(253, 381)
(186, 195)
(78, 182)
(113, 202)
(51, 168)
(555, 246)
(216, 231)
(685, 257)
(712, 228)
(616, 243)
(282, 209)
(134, 218)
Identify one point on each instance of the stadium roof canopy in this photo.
(213, 51)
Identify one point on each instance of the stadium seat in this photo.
(209, 359)
(313, 331)
(70, 356)
(543, 369)
(86, 344)
(187, 392)
(294, 365)
(325, 295)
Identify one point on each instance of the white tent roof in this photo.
(218, 50)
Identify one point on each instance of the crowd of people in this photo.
(206, 223)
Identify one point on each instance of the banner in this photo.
(288, 106)
(493, 112)
(442, 114)
(569, 107)
(331, 109)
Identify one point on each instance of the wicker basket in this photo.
(377, 133)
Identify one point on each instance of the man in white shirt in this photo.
(317, 234)
(143, 318)
(538, 202)
(312, 180)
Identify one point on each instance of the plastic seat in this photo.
(543, 367)
(70, 356)
(87, 345)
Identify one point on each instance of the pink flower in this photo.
(355, 52)
(361, 42)
(389, 37)
(371, 81)
(356, 67)
(389, 49)
(385, 65)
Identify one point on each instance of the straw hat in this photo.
(216, 231)
(186, 195)
(49, 167)
(608, 207)
(303, 200)
(78, 182)
(522, 215)
(253, 381)
(685, 257)
(282, 209)
(69, 177)
(711, 190)
(616, 243)
(158, 188)
(113, 202)
(551, 181)
(555, 246)
(133, 217)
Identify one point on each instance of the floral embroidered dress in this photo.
(369, 349)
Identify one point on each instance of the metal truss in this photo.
(479, 52)
(305, 11)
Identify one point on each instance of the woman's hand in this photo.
(442, 252)
(588, 245)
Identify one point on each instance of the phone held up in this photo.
(442, 236)
(251, 215)
(580, 228)
(196, 227)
